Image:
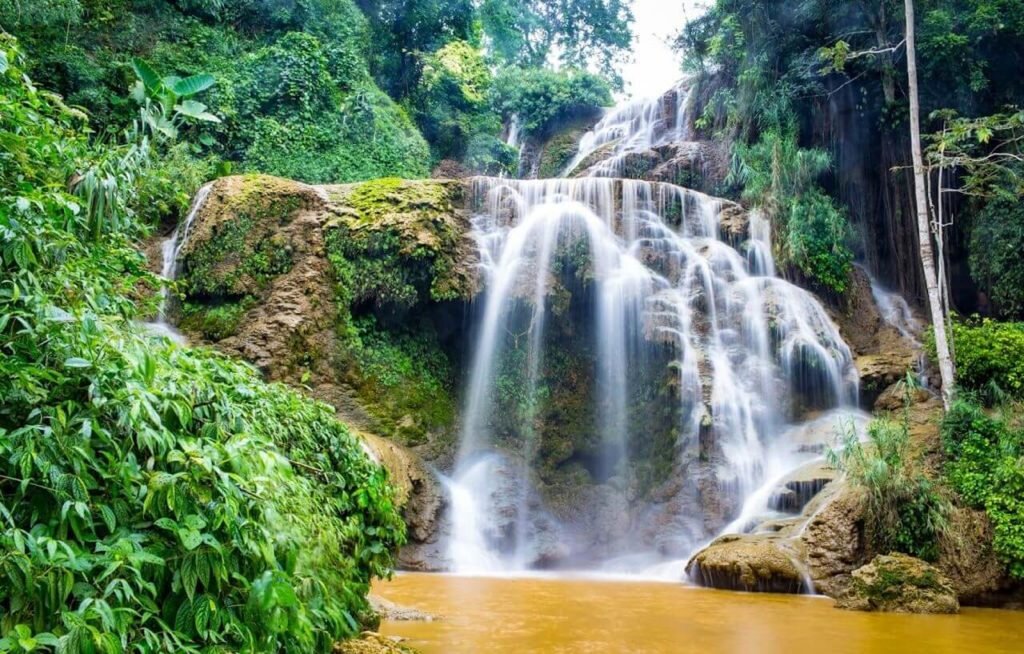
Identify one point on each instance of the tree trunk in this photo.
(923, 221)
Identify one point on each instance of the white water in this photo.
(636, 126)
(896, 311)
(743, 344)
(170, 250)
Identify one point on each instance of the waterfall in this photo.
(636, 126)
(653, 283)
(170, 250)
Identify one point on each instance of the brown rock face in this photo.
(899, 584)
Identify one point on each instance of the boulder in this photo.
(388, 610)
(370, 642)
(897, 583)
(750, 562)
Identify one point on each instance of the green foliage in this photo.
(582, 32)
(291, 78)
(543, 98)
(904, 510)
(997, 240)
(453, 110)
(989, 356)
(781, 178)
(153, 498)
(406, 380)
(986, 466)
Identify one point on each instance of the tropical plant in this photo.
(903, 508)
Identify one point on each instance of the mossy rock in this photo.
(236, 248)
(898, 583)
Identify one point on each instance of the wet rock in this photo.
(799, 488)
(898, 583)
(749, 562)
(834, 538)
(372, 643)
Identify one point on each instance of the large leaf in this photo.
(192, 85)
(196, 110)
(145, 72)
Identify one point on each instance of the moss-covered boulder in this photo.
(898, 583)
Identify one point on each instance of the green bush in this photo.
(986, 466)
(781, 178)
(904, 510)
(544, 98)
(997, 240)
(989, 356)
(153, 498)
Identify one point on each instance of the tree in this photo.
(924, 227)
(582, 32)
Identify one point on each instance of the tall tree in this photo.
(924, 231)
(583, 33)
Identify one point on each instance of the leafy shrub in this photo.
(989, 356)
(543, 98)
(451, 101)
(904, 511)
(781, 178)
(997, 240)
(986, 466)
(153, 498)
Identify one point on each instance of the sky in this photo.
(654, 67)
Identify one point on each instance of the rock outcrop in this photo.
(750, 562)
(897, 583)
(311, 284)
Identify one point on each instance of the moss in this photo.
(215, 322)
(242, 250)
(401, 242)
(404, 378)
(558, 152)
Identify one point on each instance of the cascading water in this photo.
(170, 249)
(636, 126)
(635, 280)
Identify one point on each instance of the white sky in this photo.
(654, 67)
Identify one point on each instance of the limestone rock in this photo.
(372, 643)
(749, 562)
(388, 610)
(897, 583)
(833, 538)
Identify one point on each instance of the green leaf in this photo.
(196, 110)
(190, 538)
(147, 75)
(194, 84)
(76, 362)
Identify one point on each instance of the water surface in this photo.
(575, 615)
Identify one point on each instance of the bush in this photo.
(997, 240)
(904, 511)
(544, 98)
(989, 357)
(986, 466)
(781, 178)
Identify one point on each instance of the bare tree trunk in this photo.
(923, 226)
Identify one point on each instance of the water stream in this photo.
(170, 251)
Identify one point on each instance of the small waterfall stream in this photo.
(170, 250)
(667, 312)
